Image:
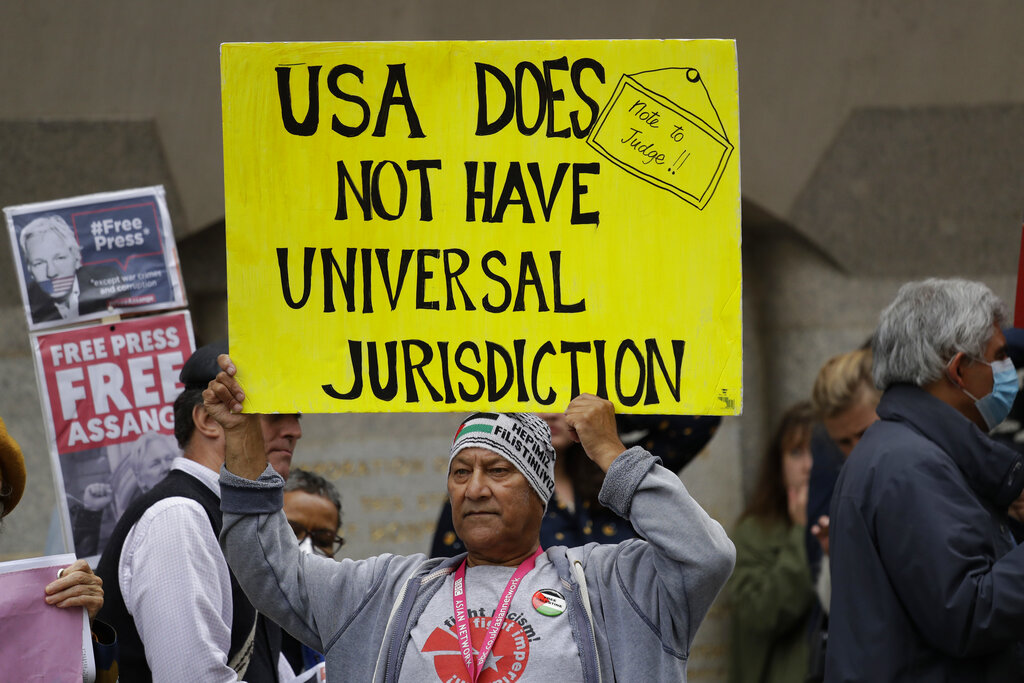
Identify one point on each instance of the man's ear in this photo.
(955, 369)
(205, 424)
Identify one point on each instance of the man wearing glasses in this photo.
(313, 508)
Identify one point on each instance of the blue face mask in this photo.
(995, 406)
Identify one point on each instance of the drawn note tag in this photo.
(662, 127)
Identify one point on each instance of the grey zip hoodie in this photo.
(634, 607)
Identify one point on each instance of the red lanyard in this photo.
(475, 667)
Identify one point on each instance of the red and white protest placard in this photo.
(108, 392)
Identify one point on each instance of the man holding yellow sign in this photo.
(507, 609)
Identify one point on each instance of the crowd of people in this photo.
(879, 541)
(904, 565)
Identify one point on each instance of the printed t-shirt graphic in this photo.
(531, 646)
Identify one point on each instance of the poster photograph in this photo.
(90, 257)
(452, 226)
(108, 392)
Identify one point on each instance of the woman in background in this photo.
(771, 587)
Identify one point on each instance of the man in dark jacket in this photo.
(927, 578)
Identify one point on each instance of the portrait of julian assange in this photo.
(58, 286)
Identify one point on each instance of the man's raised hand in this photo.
(592, 420)
(224, 396)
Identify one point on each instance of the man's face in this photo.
(156, 463)
(846, 428)
(313, 516)
(978, 378)
(494, 510)
(50, 258)
(280, 432)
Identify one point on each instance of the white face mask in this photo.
(306, 546)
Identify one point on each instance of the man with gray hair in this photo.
(927, 576)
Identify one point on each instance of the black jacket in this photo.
(927, 579)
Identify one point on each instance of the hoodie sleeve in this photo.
(314, 598)
(669, 578)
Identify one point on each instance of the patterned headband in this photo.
(521, 438)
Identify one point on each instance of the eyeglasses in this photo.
(324, 540)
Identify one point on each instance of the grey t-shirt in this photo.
(531, 647)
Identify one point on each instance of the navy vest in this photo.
(133, 667)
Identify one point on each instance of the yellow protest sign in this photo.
(467, 225)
